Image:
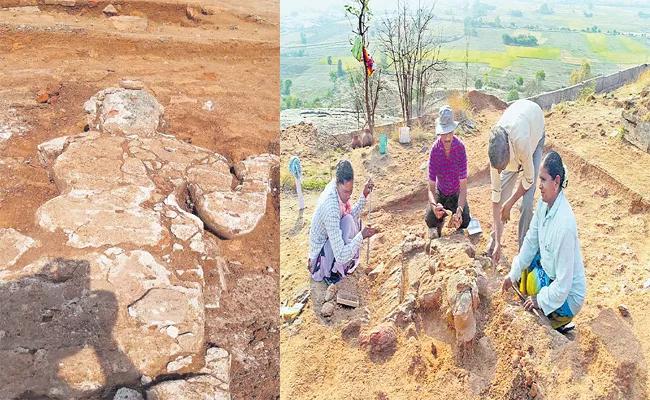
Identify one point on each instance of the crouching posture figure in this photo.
(447, 177)
(335, 236)
(549, 265)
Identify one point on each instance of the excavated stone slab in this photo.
(128, 300)
(49, 151)
(257, 167)
(213, 384)
(96, 222)
(105, 180)
(96, 320)
(13, 245)
(98, 163)
(125, 112)
(231, 213)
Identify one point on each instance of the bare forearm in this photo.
(432, 192)
(462, 197)
(498, 227)
(517, 194)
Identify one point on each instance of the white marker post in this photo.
(369, 209)
(301, 202)
(296, 170)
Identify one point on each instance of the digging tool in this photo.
(369, 209)
(535, 311)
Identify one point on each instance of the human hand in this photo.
(369, 231)
(439, 211)
(530, 303)
(458, 217)
(507, 284)
(505, 212)
(496, 254)
(370, 184)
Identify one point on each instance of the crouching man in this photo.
(447, 177)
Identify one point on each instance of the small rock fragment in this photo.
(179, 363)
(127, 394)
(327, 310)
(330, 294)
(529, 379)
(172, 331)
(110, 10)
(131, 84)
(622, 308)
(190, 13)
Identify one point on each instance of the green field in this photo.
(559, 51)
(617, 49)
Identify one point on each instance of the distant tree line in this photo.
(644, 15)
(516, 13)
(592, 29)
(520, 40)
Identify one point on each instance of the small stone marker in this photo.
(347, 299)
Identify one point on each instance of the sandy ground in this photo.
(78, 51)
(604, 358)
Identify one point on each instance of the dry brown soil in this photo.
(604, 358)
(227, 55)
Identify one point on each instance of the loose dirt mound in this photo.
(480, 101)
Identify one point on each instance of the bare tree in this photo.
(358, 86)
(413, 50)
(359, 9)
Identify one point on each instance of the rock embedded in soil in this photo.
(212, 383)
(110, 10)
(327, 309)
(330, 293)
(132, 84)
(13, 245)
(127, 394)
(125, 112)
(622, 308)
(382, 340)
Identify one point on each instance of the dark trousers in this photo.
(450, 203)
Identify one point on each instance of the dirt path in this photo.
(605, 358)
(219, 56)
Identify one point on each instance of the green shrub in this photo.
(513, 95)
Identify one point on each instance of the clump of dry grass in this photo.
(417, 133)
(459, 102)
(287, 181)
(644, 78)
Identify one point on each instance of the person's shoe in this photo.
(334, 278)
(566, 328)
(433, 233)
(352, 268)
